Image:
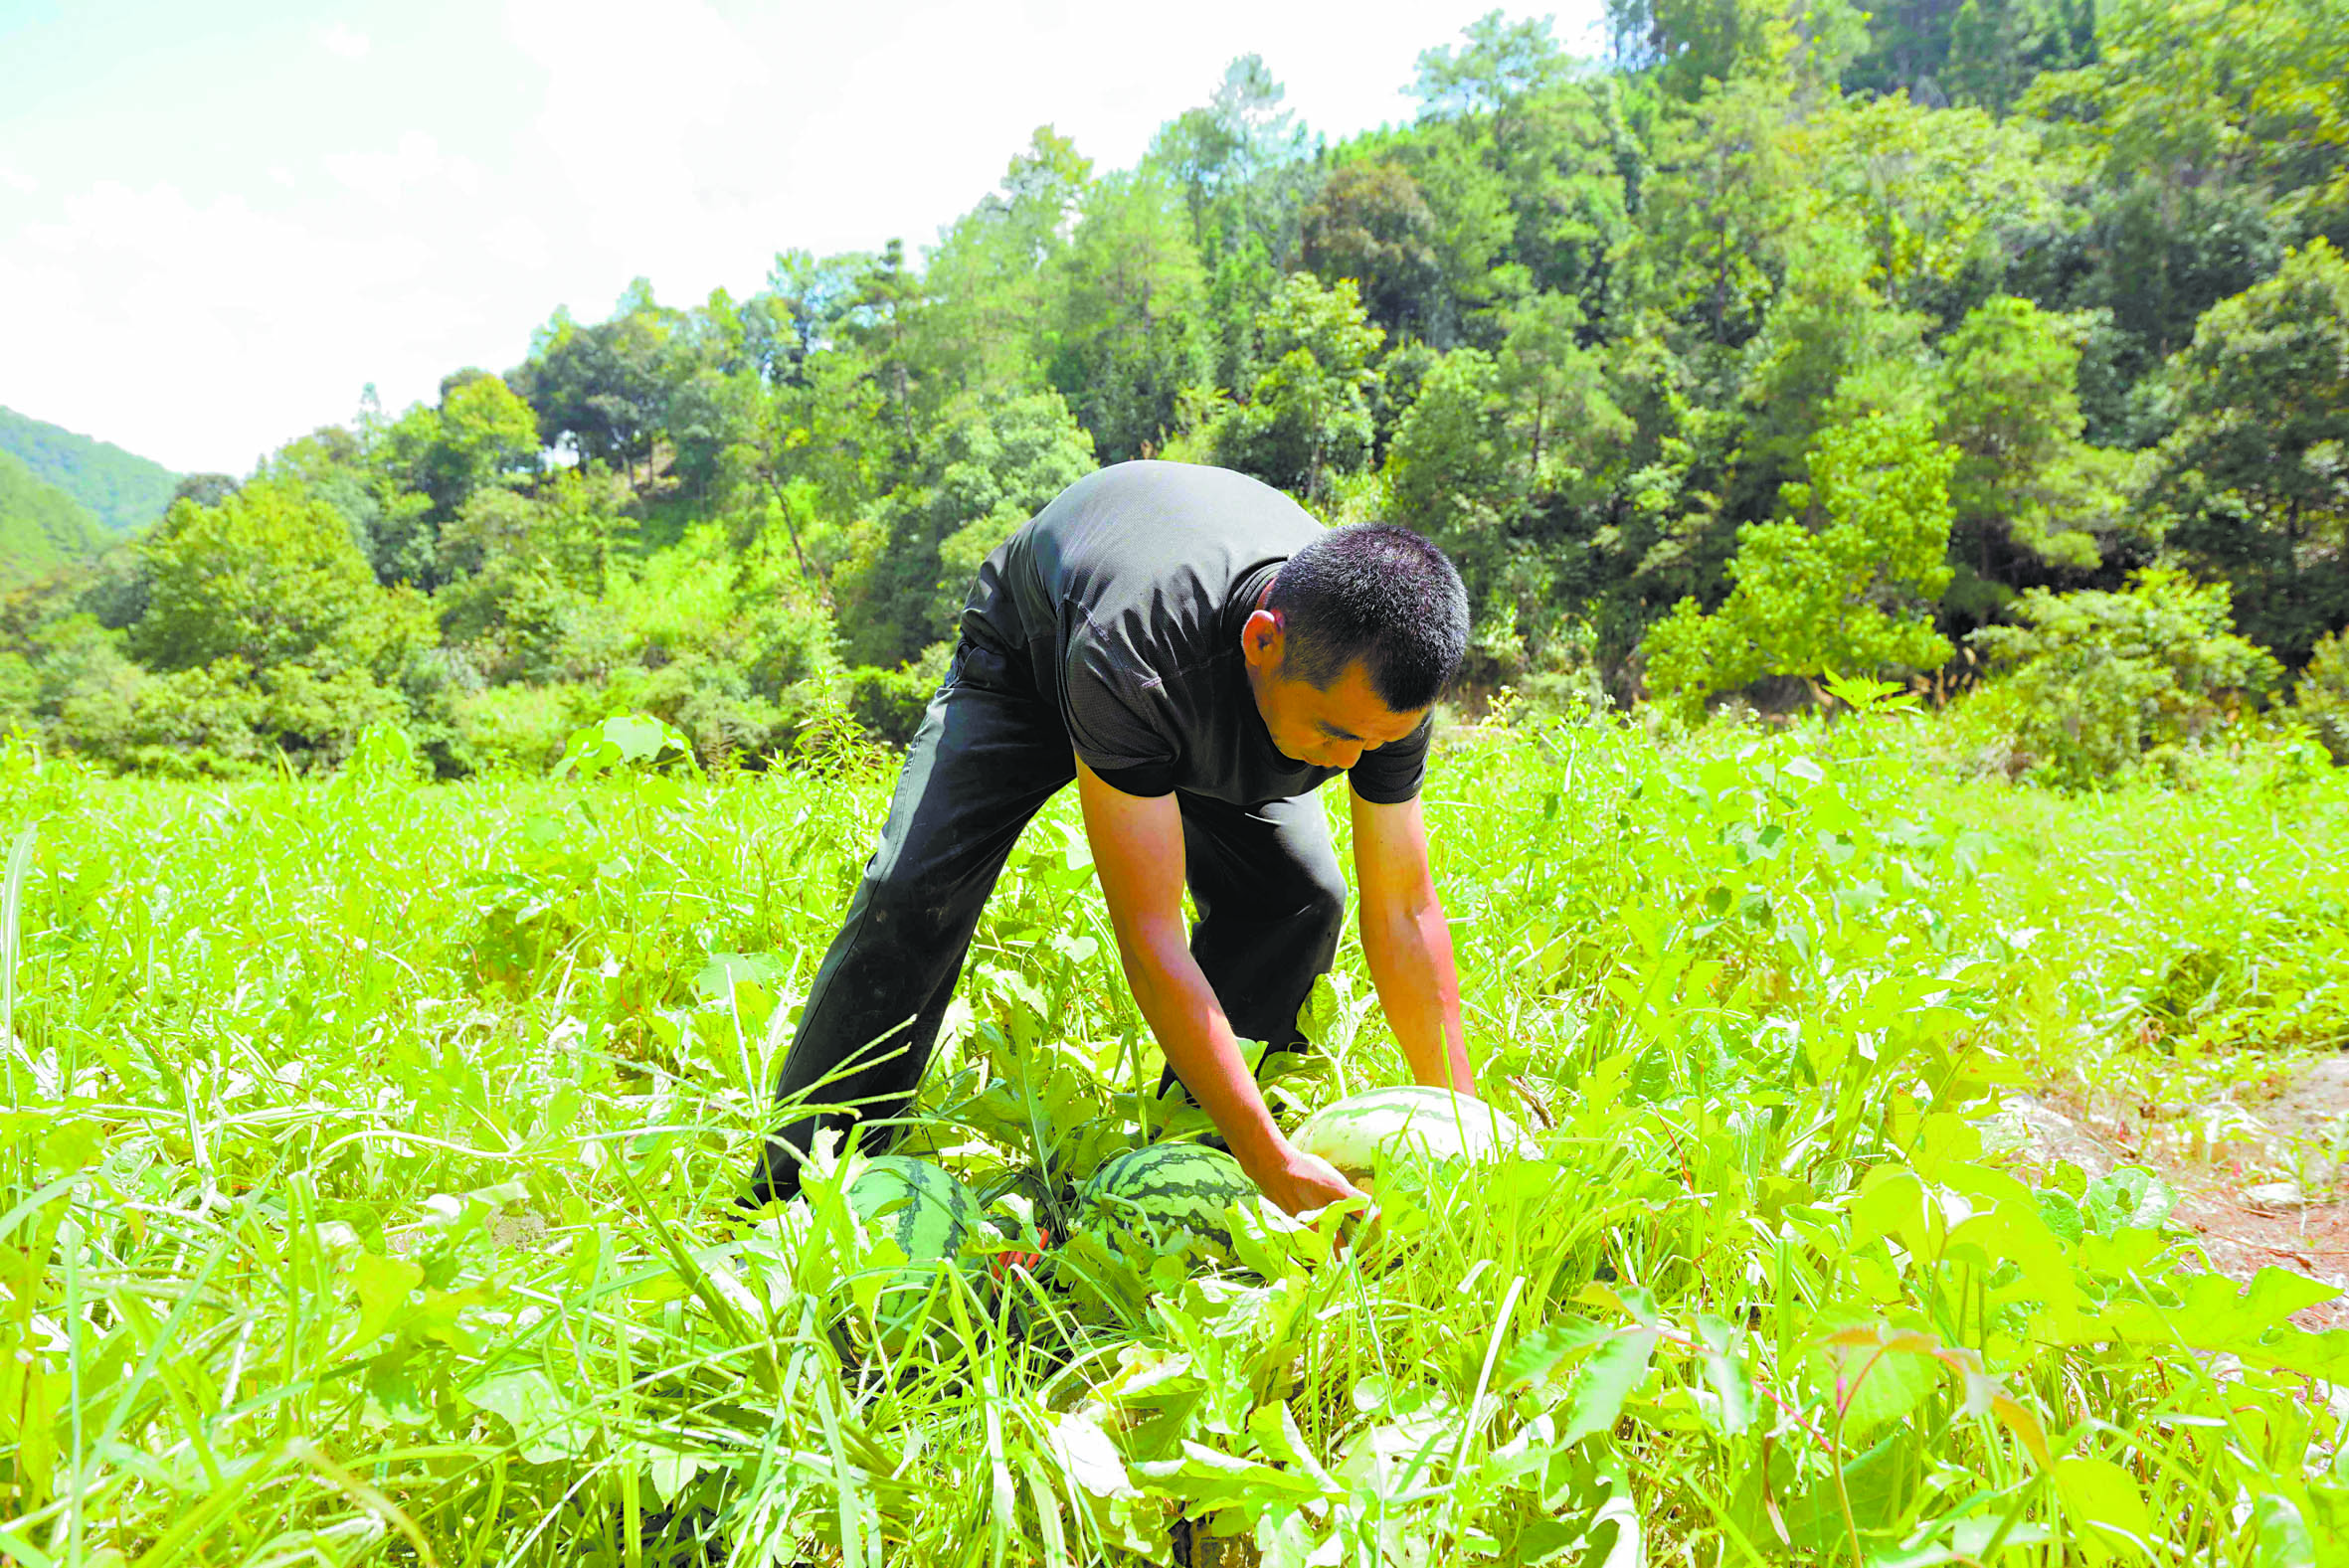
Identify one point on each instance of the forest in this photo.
(1923, 343)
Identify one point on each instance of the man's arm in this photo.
(1138, 851)
(1406, 942)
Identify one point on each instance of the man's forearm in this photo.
(1181, 1008)
(1408, 948)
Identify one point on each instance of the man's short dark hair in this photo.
(1382, 594)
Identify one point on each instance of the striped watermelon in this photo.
(918, 1205)
(1413, 1120)
(928, 1213)
(1169, 1194)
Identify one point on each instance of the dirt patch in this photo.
(2261, 1185)
(2316, 1110)
(2242, 1239)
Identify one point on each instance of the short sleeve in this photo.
(1111, 725)
(1392, 773)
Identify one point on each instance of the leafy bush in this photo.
(519, 727)
(2325, 695)
(2095, 681)
(713, 702)
(888, 703)
(1839, 584)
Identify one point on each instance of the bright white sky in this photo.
(219, 220)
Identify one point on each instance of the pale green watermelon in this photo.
(918, 1205)
(1411, 1121)
(1169, 1192)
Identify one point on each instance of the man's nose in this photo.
(1346, 757)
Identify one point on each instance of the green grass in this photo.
(370, 1152)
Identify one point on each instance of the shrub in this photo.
(521, 728)
(888, 704)
(716, 704)
(2095, 681)
(2325, 695)
(1841, 585)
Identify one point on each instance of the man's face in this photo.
(1325, 729)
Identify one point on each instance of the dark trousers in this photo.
(990, 754)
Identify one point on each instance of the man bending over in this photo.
(1201, 657)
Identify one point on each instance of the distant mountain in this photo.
(40, 527)
(123, 490)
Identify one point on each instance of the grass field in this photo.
(370, 1156)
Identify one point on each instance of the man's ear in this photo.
(1261, 639)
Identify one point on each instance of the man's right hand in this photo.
(1300, 1182)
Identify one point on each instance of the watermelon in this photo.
(918, 1205)
(1413, 1120)
(1169, 1194)
(928, 1213)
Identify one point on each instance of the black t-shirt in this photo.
(1126, 596)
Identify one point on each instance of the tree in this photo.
(2028, 494)
(1225, 158)
(1370, 224)
(486, 436)
(604, 388)
(883, 326)
(204, 490)
(1473, 222)
(2256, 477)
(1131, 340)
(1452, 473)
(40, 527)
(1551, 146)
(1931, 194)
(1508, 460)
(2211, 135)
(1693, 44)
(995, 464)
(1972, 52)
(1728, 201)
(1566, 421)
(806, 305)
(1308, 416)
(1832, 349)
(527, 572)
(994, 279)
(1997, 48)
(266, 577)
(1839, 584)
(1501, 66)
(2211, 94)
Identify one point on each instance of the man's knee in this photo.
(1323, 906)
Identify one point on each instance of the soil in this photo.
(2262, 1186)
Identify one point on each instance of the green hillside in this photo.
(123, 490)
(40, 525)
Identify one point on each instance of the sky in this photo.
(221, 222)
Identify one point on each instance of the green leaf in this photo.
(71, 1145)
(1892, 1202)
(1538, 1353)
(383, 1286)
(670, 1470)
(2130, 1197)
(1873, 1385)
(1596, 1396)
(2107, 1512)
(717, 978)
(547, 1425)
(1089, 1457)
